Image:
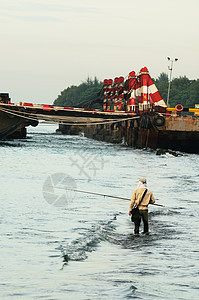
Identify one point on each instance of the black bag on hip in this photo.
(135, 215)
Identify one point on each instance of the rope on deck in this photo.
(61, 120)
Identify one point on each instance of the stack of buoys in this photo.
(107, 87)
(110, 93)
(136, 89)
(144, 73)
(149, 89)
(131, 104)
(116, 94)
(132, 85)
(121, 93)
(105, 90)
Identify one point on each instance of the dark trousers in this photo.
(145, 218)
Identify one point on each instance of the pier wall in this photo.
(129, 132)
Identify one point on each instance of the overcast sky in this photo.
(48, 45)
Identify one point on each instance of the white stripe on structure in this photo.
(144, 89)
(138, 92)
(153, 89)
(140, 106)
(160, 103)
(132, 93)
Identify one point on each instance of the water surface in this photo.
(58, 244)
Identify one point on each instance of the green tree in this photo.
(183, 90)
(163, 77)
(86, 92)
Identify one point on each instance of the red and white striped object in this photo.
(144, 75)
(132, 85)
(138, 92)
(149, 88)
(155, 97)
(141, 87)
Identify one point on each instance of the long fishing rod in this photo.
(104, 195)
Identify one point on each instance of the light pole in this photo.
(170, 69)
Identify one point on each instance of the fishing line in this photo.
(99, 194)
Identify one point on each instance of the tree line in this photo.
(183, 91)
(84, 93)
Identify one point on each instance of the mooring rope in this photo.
(49, 119)
(19, 114)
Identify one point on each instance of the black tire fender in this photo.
(34, 123)
(158, 120)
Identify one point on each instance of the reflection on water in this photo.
(86, 249)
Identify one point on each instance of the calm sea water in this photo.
(61, 244)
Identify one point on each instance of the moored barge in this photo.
(133, 112)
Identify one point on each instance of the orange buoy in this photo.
(179, 107)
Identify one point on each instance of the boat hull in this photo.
(12, 127)
(178, 133)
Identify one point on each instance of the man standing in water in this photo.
(142, 204)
